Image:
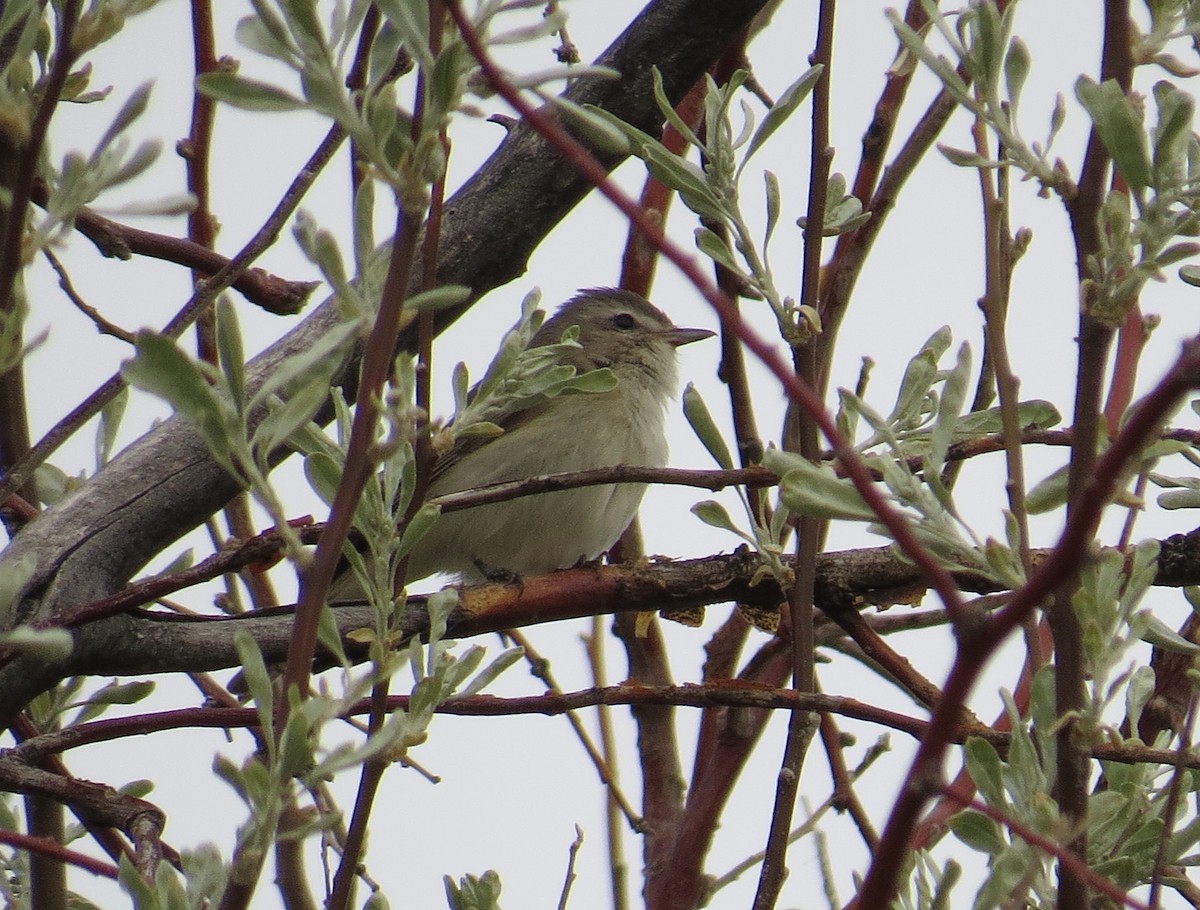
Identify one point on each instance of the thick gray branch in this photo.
(164, 485)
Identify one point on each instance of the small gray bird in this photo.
(537, 534)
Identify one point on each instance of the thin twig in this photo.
(64, 281)
(263, 239)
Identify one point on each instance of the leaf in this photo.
(133, 108)
(918, 378)
(49, 645)
(1035, 414)
(163, 369)
(1118, 127)
(668, 110)
(815, 491)
(713, 514)
(417, 528)
(599, 133)
(247, 94)
(978, 832)
(286, 417)
(1049, 494)
(954, 395)
(1016, 70)
(439, 298)
(1160, 635)
(231, 354)
(782, 109)
(716, 249)
(323, 357)
(702, 424)
(258, 681)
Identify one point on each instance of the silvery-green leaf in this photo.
(133, 108)
(668, 110)
(685, 178)
(977, 831)
(247, 94)
(712, 513)
(783, 108)
(1138, 694)
(110, 424)
(49, 645)
(774, 205)
(815, 491)
(439, 298)
(51, 482)
(488, 674)
(1119, 128)
(702, 424)
(324, 474)
(231, 355)
(1159, 634)
(918, 378)
(1179, 499)
(965, 157)
(322, 357)
(1034, 414)
(716, 249)
(258, 680)
(1049, 494)
(417, 528)
(284, 418)
(1016, 70)
(954, 395)
(161, 368)
(599, 133)
(1173, 133)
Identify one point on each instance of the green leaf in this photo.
(716, 249)
(1118, 127)
(686, 178)
(439, 298)
(986, 770)
(702, 424)
(954, 396)
(323, 357)
(163, 369)
(1016, 70)
(597, 132)
(978, 832)
(285, 417)
(815, 491)
(713, 514)
(1159, 634)
(1034, 414)
(417, 528)
(1173, 134)
(15, 576)
(247, 94)
(668, 110)
(110, 424)
(1049, 494)
(791, 98)
(49, 645)
(133, 108)
(231, 354)
(258, 681)
(918, 378)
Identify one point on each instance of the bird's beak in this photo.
(678, 337)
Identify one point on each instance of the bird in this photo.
(536, 534)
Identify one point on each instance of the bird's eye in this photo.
(624, 321)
